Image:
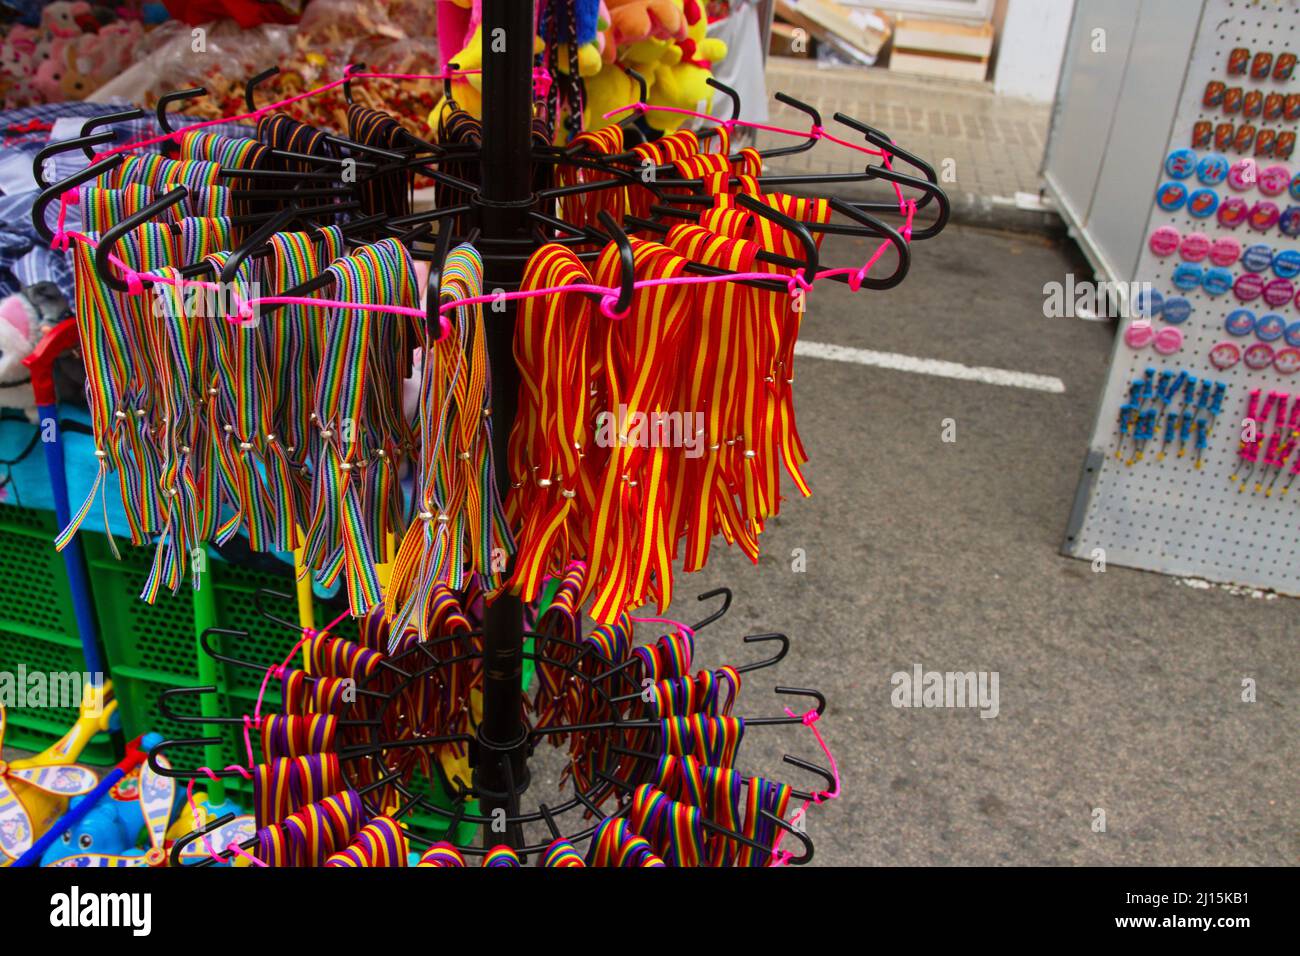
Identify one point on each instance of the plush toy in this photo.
(92, 59)
(19, 332)
(679, 77)
(65, 19)
(18, 59)
(25, 317)
(608, 90)
(456, 22)
(636, 20)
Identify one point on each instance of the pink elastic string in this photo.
(194, 816)
(820, 132)
(608, 295)
(818, 796)
(254, 722)
(685, 629)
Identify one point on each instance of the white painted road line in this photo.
(910, 363)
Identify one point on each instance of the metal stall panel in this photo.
(1130, 169)
(1166, 514)
(1111, 120)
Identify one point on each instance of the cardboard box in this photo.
(861, 34)
(939, 48)
(789, 40)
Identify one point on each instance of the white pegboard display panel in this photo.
(1166, 514)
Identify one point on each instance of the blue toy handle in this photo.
(136, 751)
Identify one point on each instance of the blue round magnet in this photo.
(1241, 322)
(1177, 310)
(1202, 203)
(1270, 327)
(1286, 263)
(1292, 334)
(1215, 281)
(1171, 197)
(1290, 222)
(1181, 163)
(1188, 276)
(1257, 258)
(1295, 186)
(1212, 169)
(1149, 303)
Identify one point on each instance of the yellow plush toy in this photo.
(607, 90)
(678, 78)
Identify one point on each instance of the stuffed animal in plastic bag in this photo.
(19, 331)
(25, 317)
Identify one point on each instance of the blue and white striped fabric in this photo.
(23, 132)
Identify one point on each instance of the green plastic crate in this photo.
(38, 627)
(151, 648)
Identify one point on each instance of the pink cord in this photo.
(254, 722)
(608, 295)
(683, 628)
(818, 796)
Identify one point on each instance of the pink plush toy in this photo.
(19, 327)
(68, 19)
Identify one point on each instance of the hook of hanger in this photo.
(52, 193)
(813, 114)
(347, 79)
(106, 119)
(726, 606)
(66, 146)
(881, 141)
(803, 838)
(264, 232)
(800, 230)
(729, 93)
(892, 235)
(182, 842)
(253, 83)
(774, 659)
(802, 764)
(164, 706)
(260, 594)
(805, 692)
(452, 67)
(627, 271)
(433, 292)
(932, 191)
(168, 770)
(160, 111)
(643, 91)
(109, 240)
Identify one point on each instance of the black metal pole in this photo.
(503, 203)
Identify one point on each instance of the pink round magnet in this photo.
(1139, 334)
(1243, 175)
(1287, 360)
(1168, 340)
(1224, 251)
(1164, 241)
(1233, 212)
(1225, 355)
(1274, 180)
(1278, 292)
(1194, 247)
(1264, 216)
(1248, 287)
(1258, 356)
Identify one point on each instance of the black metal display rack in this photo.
(502, 216)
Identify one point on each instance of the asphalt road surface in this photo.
(1119, 691)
